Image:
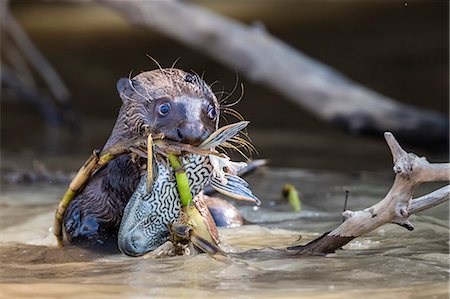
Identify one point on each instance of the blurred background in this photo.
(398, 48)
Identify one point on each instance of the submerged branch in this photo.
(396, 207)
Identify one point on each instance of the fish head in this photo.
(140, 240)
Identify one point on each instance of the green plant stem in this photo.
(291, 193)
(182, 181)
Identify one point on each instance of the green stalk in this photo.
(291, 193)
(182, 181)
(200, 235)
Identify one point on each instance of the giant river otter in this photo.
(170, 101)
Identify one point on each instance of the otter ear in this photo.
(124, 86)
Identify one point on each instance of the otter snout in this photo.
(185, 119)
(190, 133)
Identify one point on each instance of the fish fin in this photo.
(223, 134)
(234, 187)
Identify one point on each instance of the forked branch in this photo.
(396, 207)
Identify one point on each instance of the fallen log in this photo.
(318, 88)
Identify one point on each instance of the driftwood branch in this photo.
(34, 56)
(263, 58)
(396, 207)
(20, 62)
(40, 102)
(430, 200)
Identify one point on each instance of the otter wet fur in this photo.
(172, 102)
(145, 224)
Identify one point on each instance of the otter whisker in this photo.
(129, 75)
(221, 149)
(220, 94)
(235, 148)
(232, 91)
(195, 73)
(241, 140)
(224, 150)
(157, 63)
(201, 82)
(135, 90)
(212, 84)
(224, 119)
(175, 62)
(237, 101)
(250, 148)
(148, 95)
(253, 150)
(203, 75)
(232, 112)
(245, 147)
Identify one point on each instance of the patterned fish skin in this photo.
(145, 221)
(144, 225)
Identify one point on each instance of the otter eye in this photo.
(163, 109)
(212, 113)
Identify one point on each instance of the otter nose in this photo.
(191, 133)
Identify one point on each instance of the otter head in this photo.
(175, 103)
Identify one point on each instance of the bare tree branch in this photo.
(39, 101)
(263, 58)
(396, 207)
(40, 64)
(430, 200)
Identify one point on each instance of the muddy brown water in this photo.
(91, 47)
(389, 262)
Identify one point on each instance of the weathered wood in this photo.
(263, 58)
(396, 207)
(430, 200)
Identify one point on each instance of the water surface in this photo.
(389, 262)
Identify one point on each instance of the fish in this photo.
(150, 211)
